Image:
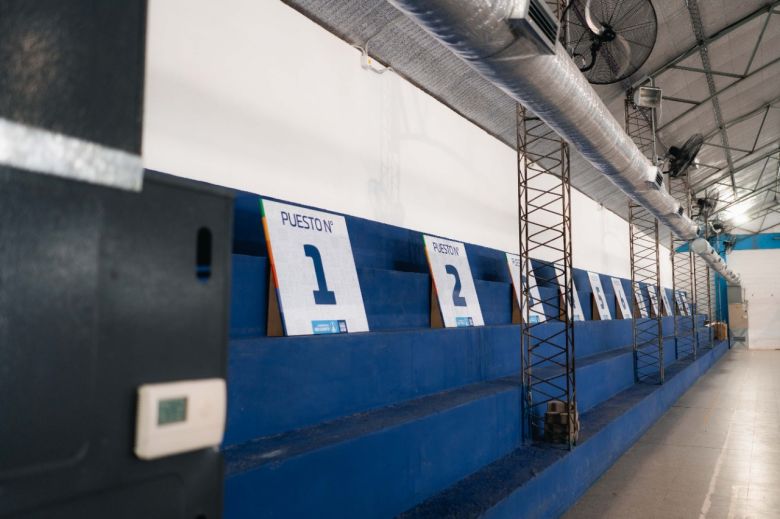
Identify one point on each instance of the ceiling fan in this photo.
(610, 39)
(681, 158)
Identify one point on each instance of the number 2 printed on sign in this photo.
(457, 299)
(322, 296)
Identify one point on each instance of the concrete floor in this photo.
(715, 453)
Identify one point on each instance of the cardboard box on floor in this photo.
(720, 331)
(738, 315)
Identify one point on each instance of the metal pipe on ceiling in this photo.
(484, 35)
(703, 248)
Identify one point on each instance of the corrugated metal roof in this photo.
(743, 46)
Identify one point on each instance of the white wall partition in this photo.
(233, 99)
(761, 281)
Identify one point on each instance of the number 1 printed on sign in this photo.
(322, 296)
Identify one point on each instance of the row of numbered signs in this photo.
(315, 289)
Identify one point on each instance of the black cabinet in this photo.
(102, 290)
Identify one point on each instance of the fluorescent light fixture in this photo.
(648, 97)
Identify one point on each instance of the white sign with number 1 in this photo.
(314, 271)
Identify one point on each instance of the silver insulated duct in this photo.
(513, 43)
(703, 248)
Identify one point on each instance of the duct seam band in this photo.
(43, 151)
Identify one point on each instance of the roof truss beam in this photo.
(704, 53)
(767, 9)
(702, 71)
(699, 187)
(719, 92)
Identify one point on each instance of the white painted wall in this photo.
(761, 281)
(252, 95)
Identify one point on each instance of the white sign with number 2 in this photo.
(454, 284)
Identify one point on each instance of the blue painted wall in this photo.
(756, 241)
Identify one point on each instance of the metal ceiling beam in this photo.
(767, 9)
(704, 53)
(725, 148)
(760, 128)
(763, 212)
(702, 71)
(704, 165)
(761, 175)
(681, 100)
(761, 225)
(762, 229)
(766, 107)
(744, 117)
(756, 192)
(700, 47)
(697, 188)
(758, 43)
(719, 92)
(753, 231)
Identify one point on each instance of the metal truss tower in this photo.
(544, 203)
(648, 340)
(544, 209)
(703, 288)
(683, 279)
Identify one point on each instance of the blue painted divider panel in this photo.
(279, 384)
(249, 296)
(383, 473)
(394, 299)
(495, 300)
(599, 381)
(550, 297)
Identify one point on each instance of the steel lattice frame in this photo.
(641, 129)
(683, 279)
(703, 281)
(703, 288)
(648, 340)
(544, 202)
